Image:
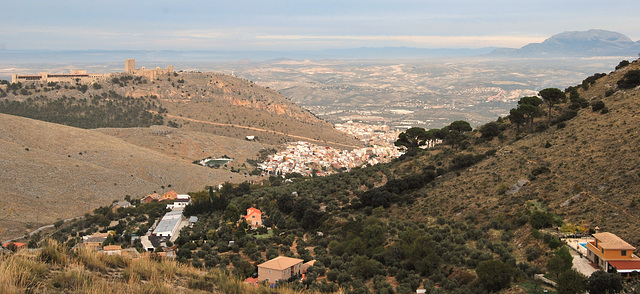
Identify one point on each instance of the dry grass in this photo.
(55, 269)
(20, 272)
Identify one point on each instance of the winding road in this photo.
(257, 129)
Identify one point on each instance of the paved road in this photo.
(26, 236)
(580, 262)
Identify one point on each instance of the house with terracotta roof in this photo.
(171, 195)
(610, 252)
(254, 217)
(149, 198)
(279, 268)
(15, 246)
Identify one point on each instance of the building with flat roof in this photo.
(74, 76)
(169, 224)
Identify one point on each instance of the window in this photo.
(602, 250)
(269, 271)
(623, 252)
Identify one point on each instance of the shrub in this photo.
(609, 92)
(630, 80)
(465, 160)
(532, 253)
(603, 282)
(540, 219)
(597, 106)
(494, 275)
(540, 170)
(622, 64)
(491, 129)
(502, 188)
(565, 116)
(592, 80)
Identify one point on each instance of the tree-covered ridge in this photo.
(108, 109)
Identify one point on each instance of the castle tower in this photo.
(130, 66)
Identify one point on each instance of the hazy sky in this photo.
(303, 25)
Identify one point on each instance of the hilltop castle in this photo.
(151, 74)
(82, 77)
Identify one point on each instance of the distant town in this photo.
(313, 160)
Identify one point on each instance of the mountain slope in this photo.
(208, 102)
(577, 43)
(593, 163)
(54, 172)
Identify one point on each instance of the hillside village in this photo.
(537, 201)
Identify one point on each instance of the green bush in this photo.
(597, 106)
(630, 80)
(540, 170)
(541, 219)
(465, 160)
(609, 92)
(622, 64)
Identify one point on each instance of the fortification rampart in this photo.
(151, 74)
(82, 77)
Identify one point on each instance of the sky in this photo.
(279, 25)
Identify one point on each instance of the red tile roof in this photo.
(251, 281)
(18, 245)
(626, 265)
(251, 211)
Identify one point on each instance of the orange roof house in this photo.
(609, 251)
(171, 195)
(149, 198)
(254, 217)
(279, 268)
(14, 246)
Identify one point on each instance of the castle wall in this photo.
(81, 76)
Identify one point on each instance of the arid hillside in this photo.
(585, 170)
(207, 102)
(51, 172)
(55, 172)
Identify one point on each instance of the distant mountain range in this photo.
(567, 44)
(578, 44)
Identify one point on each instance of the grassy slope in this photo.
(67, 170)
(57, 270)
